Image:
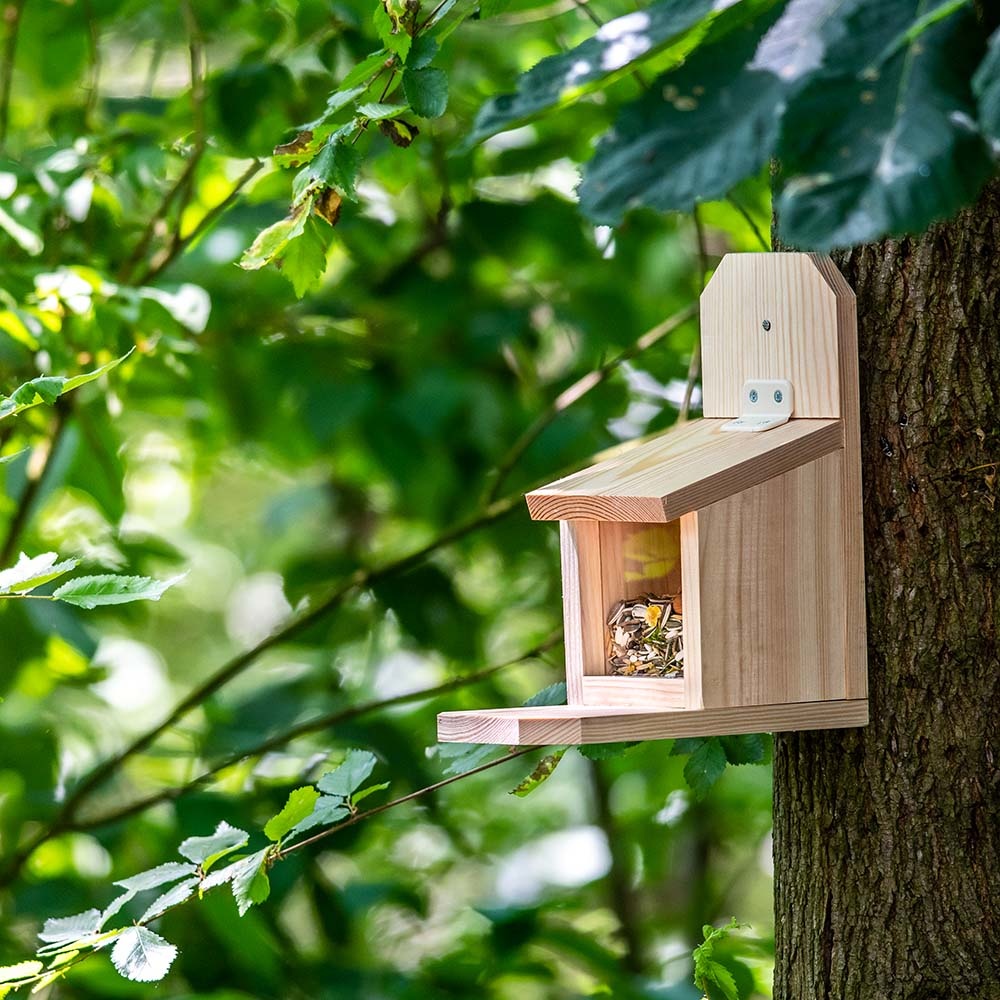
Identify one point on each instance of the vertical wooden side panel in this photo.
(856, 648)
(693, 616)
(772, 600)
(786, 291)
(580, 548)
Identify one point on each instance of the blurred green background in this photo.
(272, 446)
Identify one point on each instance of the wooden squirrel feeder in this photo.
(749, 519)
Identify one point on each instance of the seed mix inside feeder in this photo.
(646, 637)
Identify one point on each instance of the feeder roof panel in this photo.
(689, 467)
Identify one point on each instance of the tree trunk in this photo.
(887, 839)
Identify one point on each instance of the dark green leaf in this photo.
(747, 749)
(720, 976)
(337, 166)
(465, 756)
(205, 851)
(142, 956)
(101, 591)
(303, 260)
(329, 810)
(491, 8)
(299, 805)
(48, 388)
(346, 779)
(248, 886)
(426, 91)
(705, 766)
(612, 52)
(875, 146)
(543, 769)
(554, 694)
(606, 751)
(423, 52)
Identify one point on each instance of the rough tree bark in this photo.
(887, 839)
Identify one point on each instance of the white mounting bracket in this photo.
(766, 403)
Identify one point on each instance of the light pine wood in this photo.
(688, 467)
(693, 616)
(772, 585)
(796, 299)
(580, 548)
(634, 692)
(575, 724)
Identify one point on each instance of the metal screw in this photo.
(753, 396)
(778, 396)
(766, 324)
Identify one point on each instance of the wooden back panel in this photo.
(793, 294)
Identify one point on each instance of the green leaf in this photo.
(171, 898)
(337, 166)
(101, 591)
(611, 53)
(491, 8)
(327, 811)
(465, 756)
(29, 573)
(23, 970)
(299, 805)
(272, 242)
(303, 261)
(205, 851)
(721, 977)
(142, 956)
(554, 694)
(394, 38)
(365, 69)
(375, 111)
(543, 769)
(874, 146)
(423, 52)
(60, 931)
(426, 91)
(746, 749)
(160, 875)
(697, 131)
(705, 766)
(370, 790)
(246, 883)
(606, 751)
(48, 388)
(24, 236)
(349, 776)
(986, 87)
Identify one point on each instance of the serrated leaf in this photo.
(247, 889)
(705, 766)
(746, 749)
(303, 261)
(22, 970)
(422, 53)
(875, 146)
(272, 242)
(327, 811)
(365, 792)
(465, 756)
(346, 779)
(117, 904)
(142, 956)
(392, 36)
(337, 166)
(606, 751)
(298, 806)
(48, 388)
(695, 133)
(986, 87)
(66, 930)
(611, 53)
(32, 572)
(155, 877)
(426, 91)
(102, 591)
(554, 694)
(376, 111)
(721, 977)
(542, 771)
(177, 894)
(205, 851)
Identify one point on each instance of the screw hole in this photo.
(753, 396)
(766, 324)
(778, 397)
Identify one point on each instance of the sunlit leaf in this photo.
(328, 810)
(205, 851)
(142, 956)
(22, 970)
(102, 591)
(346, 779)
(363, 794)
(299, 805)
(66, 930)
(154, 877)
(31, 572)
(171, 898)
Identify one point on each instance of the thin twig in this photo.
(12, 16)
(748, 219)
(180, 243)
(319, 724)
(26, 500)
(419, 793)
(580, 388)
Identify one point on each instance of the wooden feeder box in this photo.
(750, 518)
